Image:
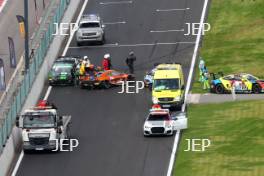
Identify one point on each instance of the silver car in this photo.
(91, 29)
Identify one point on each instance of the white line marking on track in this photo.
(18, 163)
(196, 48)
(173, 153)
(129, 45)
(119, 22)
(3, 5)
(47, 93)
(169, 10)
(173, 30)
(50, 87)
(116, 2)
(77, 22)
(176, 141)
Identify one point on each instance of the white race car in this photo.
(161, 122)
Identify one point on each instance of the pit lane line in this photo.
(177, 135)
(21, 155)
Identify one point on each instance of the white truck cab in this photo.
(42, 128)
(162, 122)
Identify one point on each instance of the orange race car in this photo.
(104, 79)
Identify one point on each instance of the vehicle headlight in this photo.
(155, 100)
(147, 127)
(53, 135)
(26, 143)
(79, 33)
(168, 126)
(177, 98)
(52, 142)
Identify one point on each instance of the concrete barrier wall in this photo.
(13, 145)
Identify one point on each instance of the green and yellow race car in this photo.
(63, 71)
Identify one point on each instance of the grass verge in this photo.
(237, 140)
(236, 40)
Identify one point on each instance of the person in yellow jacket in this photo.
(82, 67)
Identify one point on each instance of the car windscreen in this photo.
(158, 117)
(166, 84)
(61, 68)
(41, 120)
(251, 78)
(90, 25)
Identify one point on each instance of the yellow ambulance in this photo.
(168, 86)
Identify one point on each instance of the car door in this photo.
(179, 121)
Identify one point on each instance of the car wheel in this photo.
(79, 43)
(103, 40)
(106, 84)
(219, 89)
(82, 86)
(256, 89)
(26, 151)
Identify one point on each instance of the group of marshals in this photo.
(86, 65)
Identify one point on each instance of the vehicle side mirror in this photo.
(17, 121)
(174, 118)
(60, 121)
(103, 25)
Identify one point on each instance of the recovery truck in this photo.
(42, 127)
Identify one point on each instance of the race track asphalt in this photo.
(108, 125)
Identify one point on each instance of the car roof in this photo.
(168, 67)
(66, 59)
(35, 111)
(63, 64)
(166, 74)
(167, 71)
(90, 18)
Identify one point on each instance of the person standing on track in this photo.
(130, 62)
(106, 63)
